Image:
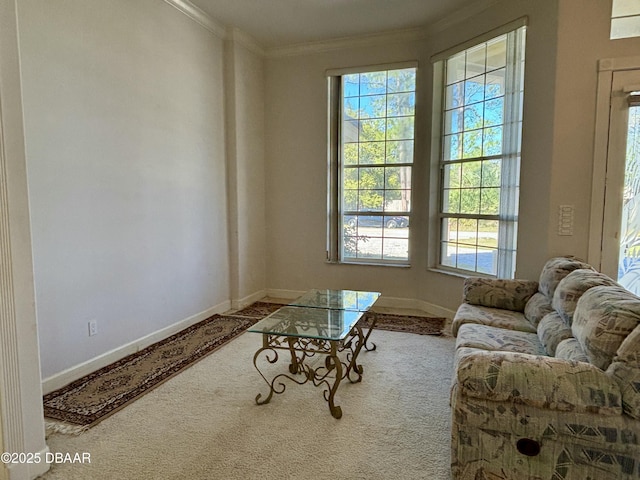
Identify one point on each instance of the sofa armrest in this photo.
(538, 381)
(499, 293)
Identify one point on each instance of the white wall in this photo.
(124, 123)
(245, 100)
(296, 127)
(583, 39)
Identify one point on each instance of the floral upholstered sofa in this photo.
(547, 378)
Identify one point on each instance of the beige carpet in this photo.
(204, 424)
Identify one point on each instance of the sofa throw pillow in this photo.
(555, 270)
(603, 319)
(499, 293)
(571, 288)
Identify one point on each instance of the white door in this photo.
(621, 225)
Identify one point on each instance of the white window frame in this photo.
(335, 167)
(510, 157)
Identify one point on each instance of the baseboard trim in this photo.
(248, 300)
(21, 471)
(65, 377)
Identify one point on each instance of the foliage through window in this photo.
(375, 145)
(480, 155)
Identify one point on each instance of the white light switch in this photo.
(565, 220)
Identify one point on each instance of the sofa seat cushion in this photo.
(493, 338)
(604, 318)
(552, 330)
(628, 377)
(495, 317)
(571, 350)
(537, 381)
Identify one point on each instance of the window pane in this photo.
(451, 201)
(395, 248)
(474, 90)
(351, 85)
(490, 201)
(373, 83)
(453, 147)
(472, 144)
(453, 121)
(372, 130)
(470, 200)
(398, 177)
(497, 53)
(350, 153)
(371, 152)
(400, 128)
(471, 174)
(399, 151)
(473, 116)
(487, 260)
(494, 86)
(403, 80)
(373, 106)
(401, 104)
(476, 58)
(450, 230)
(370, 200)
(454, 95)
(448, 254)
(494, 112)
(492, 142)
(455, 68)
(491, 173)
(350, 131)
(452, 175)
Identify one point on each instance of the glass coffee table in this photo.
(321, 322)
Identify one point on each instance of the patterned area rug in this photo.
(394, 323)
(94, 397)
(87, 401)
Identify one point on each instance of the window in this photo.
(481, 124)
(372, 142)
(625, 19)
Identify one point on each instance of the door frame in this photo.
(606, 69)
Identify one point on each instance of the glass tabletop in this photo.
(308, 322)
(359, 301)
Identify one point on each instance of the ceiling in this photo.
(279, 23)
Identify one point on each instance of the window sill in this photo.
(458, 274)
(370, 264)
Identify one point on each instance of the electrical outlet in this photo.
(93, 328)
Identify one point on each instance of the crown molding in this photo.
(244, 39)
(458, 17)
(369, 40)
(374, 39)
(199, 16)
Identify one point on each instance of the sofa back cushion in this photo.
(603, 319)
(555, 270)
(537, 307)
(571, 288)
(553, 329)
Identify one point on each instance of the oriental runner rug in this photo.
(90, 399)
